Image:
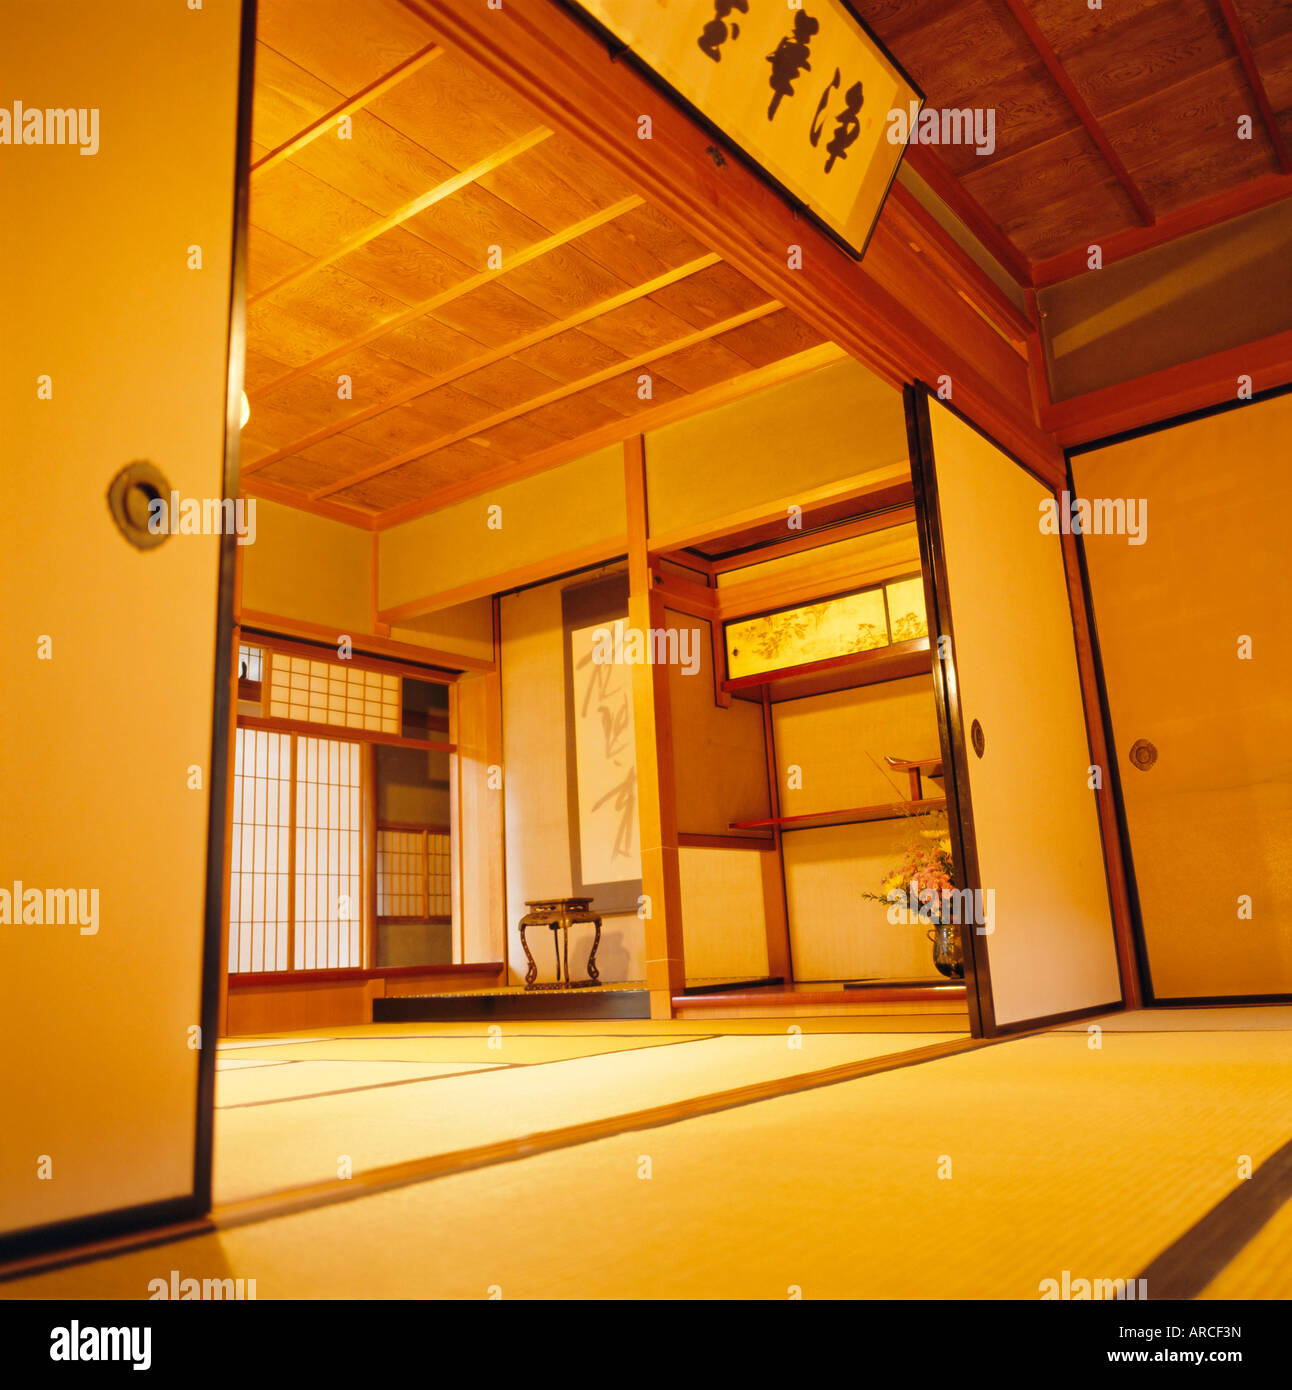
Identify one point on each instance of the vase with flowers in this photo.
(920, 889)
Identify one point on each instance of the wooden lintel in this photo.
(585, 556)
(876, 481)
(407, 652)
(1173, 391)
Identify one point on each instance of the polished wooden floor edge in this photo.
(1185, 1268)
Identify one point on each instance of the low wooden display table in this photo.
(560, 914)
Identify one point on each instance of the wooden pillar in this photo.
(480, 826)
(775, 909)
(227, 772)
(368, 811)
(656, 797)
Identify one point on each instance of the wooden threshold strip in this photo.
(516, 259)
(560, 393)
(1185, 1268)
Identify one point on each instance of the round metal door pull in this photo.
(1143, 754)
(977, 738)
(130, 496)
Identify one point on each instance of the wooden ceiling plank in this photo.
(1078, 103)
(568, 389)
(1254, 80)
(616, 432)
(428, 199)
(497, 354)
(463, 287)
(349, 106)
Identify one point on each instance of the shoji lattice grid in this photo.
(322, 692)
(251, 662)
(329, 899)
(437, 855)
(413, 873)
(259, 900)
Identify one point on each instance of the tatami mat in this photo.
(282, 1081)
(270, 1148)
(979, 1175)
(1212, 1018)
(431, 1047)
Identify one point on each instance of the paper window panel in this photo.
(259, 922)
(329, 900)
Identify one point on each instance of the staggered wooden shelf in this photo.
(836, 673)
(855, 815)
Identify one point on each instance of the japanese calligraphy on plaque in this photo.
(800, 86)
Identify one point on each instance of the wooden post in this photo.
(480, 823)
(775, 909)
(227, 772)
(368, 810)
(656, 797)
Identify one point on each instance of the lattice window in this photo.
(251, 663)
(329, 899)
(259, 897)
(413, 873)
(323, 692)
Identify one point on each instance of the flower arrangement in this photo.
(916, 884)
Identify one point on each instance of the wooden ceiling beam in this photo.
(927, 236)
(892, 312)
(462, 179)
(667, 413)
(1084, 114)
(487, 359)
(381, 85)
(1254, 80)
(437, 301)
(362, 517)
(569, 388)
(928, 166)
(1196, 217)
